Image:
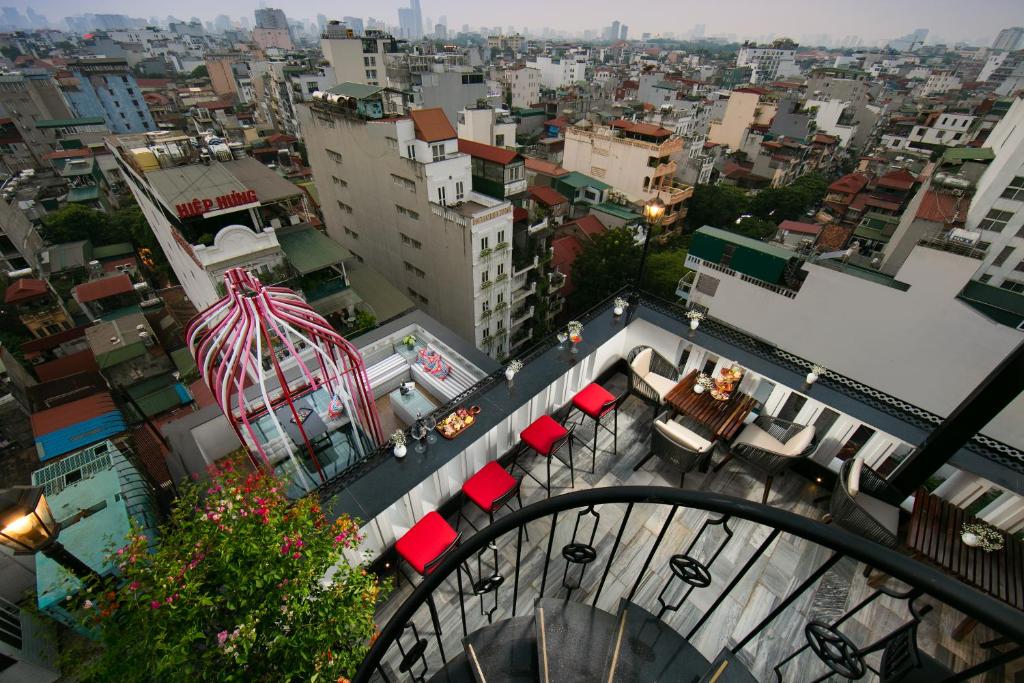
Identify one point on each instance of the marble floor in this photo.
(786, 563)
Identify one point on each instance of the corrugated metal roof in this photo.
(497, 155)
(309, 250)
(24, 289)
(83, 361)
(432, 125)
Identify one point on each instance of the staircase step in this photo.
(572, 639)
(727, 668)
(505, 652)
(647, 649)
(456, 671)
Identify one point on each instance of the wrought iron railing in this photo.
(494, 575)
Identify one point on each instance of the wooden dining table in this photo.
(934, 534)
(724, 418)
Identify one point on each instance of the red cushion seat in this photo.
(592, 398)
(542, 434)
(427, 540)
(488, 485)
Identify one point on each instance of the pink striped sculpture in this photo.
(241, 342)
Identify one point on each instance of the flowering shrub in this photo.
(235, 591)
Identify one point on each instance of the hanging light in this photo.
(654, 210)
(26, 523)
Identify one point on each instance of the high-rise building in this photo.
(407, 26)
(26, 98)
(623, 32)
(397, 192)
(106, 87)
(269, 17)
(354, 58)
(613, 31)
(354, 23)
(769, 62)
(1009, 39)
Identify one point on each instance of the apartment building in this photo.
(487, 126)
(107, 88)
(289, 83)
(26, 98)
(446, 81)
(522, 86)
(397, 192)
(639, 160)
(357, 58)
(943, 128)
(560, 72)
(769, 62)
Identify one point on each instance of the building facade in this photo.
(355, 58)
(107, 88)
(769, 62)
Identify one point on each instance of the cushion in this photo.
(885, 514)
(427, 540)
(853, 479)
(799, 442)
(542, 434)
(755, 437)
(488, 485)
(592, 399)
(641, 365)
(683, 436)
(660, 384)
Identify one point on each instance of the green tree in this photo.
(200, 72)
(232, 592)
(758, 228)
(715, 205)
(604, 266)
(662, 272)
(792, 201)
(76, 222)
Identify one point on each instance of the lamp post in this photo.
(27, 526)
(654, 211)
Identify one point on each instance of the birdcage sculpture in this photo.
(294, 390)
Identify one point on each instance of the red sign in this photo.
(198, 207)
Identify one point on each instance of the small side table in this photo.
(407, 406)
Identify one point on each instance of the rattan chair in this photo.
(683, 443)
(651, 375)
(864, 503)
(771, 444)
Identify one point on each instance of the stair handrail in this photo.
(954, 593)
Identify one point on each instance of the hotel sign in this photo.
(201, 207)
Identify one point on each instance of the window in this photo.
(369, 61)
(338, 181)
(1003, 255)
(487, 332)
(485, 276)
(417, 296)
(404, 183)
(438, 152)
(984, 279)
(352, 233)
(501, 268)
(410, 151)
(410, 268)
(485, 306)
(1013, 286)
(499, 140)
(392, 142)
(333, 156)
(995, 220)
(1019, 267)
(459, 190)
(407, 212)
(1015, 190)
(371, 74)
(501, 324)
(344, 207)
(501, 297)
(501, 236)
(414, 243)
(484, 243)
(982, 245)
(442, 193)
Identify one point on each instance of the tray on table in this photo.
(460, 420)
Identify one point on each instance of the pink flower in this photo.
(155, 604)
(296, 556)
(195, 476)
(222, 637)
(134, 585)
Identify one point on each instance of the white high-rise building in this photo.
(769, 62)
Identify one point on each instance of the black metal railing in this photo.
(498, 576)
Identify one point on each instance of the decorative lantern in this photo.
(280, 372)
(26, 523)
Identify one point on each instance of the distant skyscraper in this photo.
(321, 21)
(417, 10)
(410, 20)
(613, 32)
(354, 23)
(698, 30)
(623, 32)
(1009, 39)
(268, 17)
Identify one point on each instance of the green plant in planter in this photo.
(233, 591)
(409, 340)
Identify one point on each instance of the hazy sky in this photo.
(870, 19)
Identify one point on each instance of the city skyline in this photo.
(796, 18)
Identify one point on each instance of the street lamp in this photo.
(27, 526)
(654, 211)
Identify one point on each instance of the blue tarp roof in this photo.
(80, 435)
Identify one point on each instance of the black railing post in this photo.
(987, 400)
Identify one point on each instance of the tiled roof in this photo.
(54, 340)
(102, 288)
(898, 180)
(479, 150)
(547, 196)
(75, 412)
(641, 128)
(72, 364)
(832, 238)
(557, 122)
(942, 208)
(24, 289)
(590, 224)
(566, 249)
(802, 228)
(881, 204)
(849, 183)
(432, 125)
(545, 167)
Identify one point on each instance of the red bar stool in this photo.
(596, 402)
(490, 489)
(546, 436)
(427, 543)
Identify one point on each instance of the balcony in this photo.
(521, 315)
(521, 294)
(701, 566)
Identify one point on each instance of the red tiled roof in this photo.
(432, 125)
(24, 289)
(824, 138)
(802, 228)
(590, 225)
(281, 139)
(102, 288)
(877, 203)
(54, 340)
(898, 180)
(216, 104)
(641, 128)
(83, 361)
(566, 249)
(751, 89)
(50, 420)
(68, 154)
(479, 150)
(152, 454)
(850, 183)
(557, 122)
(941, 208)
(545, 167)
(832, 238)
(111, 266)
(547, 196)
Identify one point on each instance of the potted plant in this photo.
(702, 384)
(512, 368)
(816, 372)
(695, 317)
(575, 329)
(619, 305)
(979, 535)
(398, 439)
(410, 341)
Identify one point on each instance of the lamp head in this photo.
(26, 523)
(654, 209)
